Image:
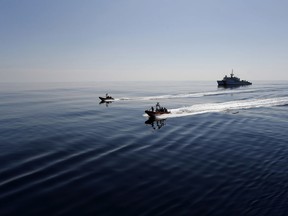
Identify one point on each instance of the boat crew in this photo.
(158, 107)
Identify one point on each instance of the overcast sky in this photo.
(102, 40)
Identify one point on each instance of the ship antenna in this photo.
(232, 73)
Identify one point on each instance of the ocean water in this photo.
(221, 151)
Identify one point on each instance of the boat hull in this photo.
(154, 114)
(104, 99)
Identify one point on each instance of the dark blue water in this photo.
(219, 152)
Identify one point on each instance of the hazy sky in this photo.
(95, 40)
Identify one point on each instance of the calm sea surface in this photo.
(219, 152)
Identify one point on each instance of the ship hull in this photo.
(231, 83)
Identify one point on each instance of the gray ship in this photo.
(232, 81)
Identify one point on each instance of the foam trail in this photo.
(188, 95)
(226, 106)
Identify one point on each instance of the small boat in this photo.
(158, 111)
(107, 98)
(155, 114)
(232, 81)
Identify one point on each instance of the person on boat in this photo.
(108, 97)
(152, 109)
(158, 107)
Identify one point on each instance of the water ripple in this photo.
(64, 154)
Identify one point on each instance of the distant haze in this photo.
(126, 40)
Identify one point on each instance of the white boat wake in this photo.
(188, 95)
(226, 106)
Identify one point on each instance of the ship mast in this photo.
(232, 74)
